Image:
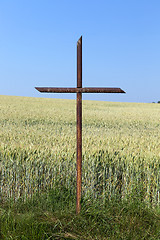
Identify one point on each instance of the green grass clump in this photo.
(52, 216)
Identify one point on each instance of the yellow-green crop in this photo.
(121, 147)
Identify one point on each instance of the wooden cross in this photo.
(79, 90)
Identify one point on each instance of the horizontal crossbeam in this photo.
(79, 90)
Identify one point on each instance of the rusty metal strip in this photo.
(79, 125)
(79, 90)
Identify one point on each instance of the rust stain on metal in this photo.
(79, 151)
(79, 125)
(79, 90)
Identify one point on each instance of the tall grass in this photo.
(52, 215)
(121, 148)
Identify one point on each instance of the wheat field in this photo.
(121, 148)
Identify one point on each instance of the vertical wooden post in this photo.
(79, 125)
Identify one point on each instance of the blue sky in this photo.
(121, 47)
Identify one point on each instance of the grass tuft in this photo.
(52, 216)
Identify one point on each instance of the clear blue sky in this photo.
(121, 47)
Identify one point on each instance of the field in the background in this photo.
(121, 148)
